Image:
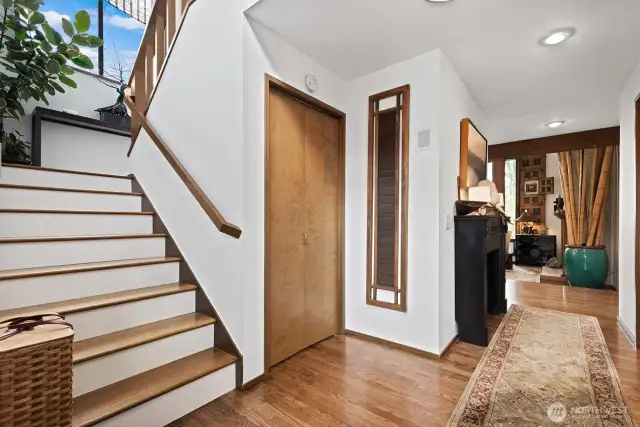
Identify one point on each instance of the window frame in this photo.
(402, 108)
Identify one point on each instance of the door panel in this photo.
(286, 225)
(322, 216)
(303, 227)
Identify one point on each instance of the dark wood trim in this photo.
(448, 347)
(257, 380)
(499, 166)
(637, 238)
(272, 83)
(69, 190)
(222, 337)
(78, 238)
(558, 143)
(209, 208)
(402, 212)
(41, 114)
(395, 345)
(78, 212)
(82, 268)
(40, 168)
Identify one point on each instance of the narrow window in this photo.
(387, 203)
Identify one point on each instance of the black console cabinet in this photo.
(534, 250)
(480, 282)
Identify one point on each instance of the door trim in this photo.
(272, 83)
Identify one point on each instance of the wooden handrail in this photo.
(214, 214)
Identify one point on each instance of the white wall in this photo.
(454, 104)
(74, 148)
(627, 207)
(90, 95)
(418, 326)
(553, 223)
(266, 52)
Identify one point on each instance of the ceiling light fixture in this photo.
(557, 36)
(555, 124)
(439, 1)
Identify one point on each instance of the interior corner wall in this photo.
(266, 52)
(455, 103)
(418, 326)
(627, 207)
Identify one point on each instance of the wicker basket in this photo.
(35, 378)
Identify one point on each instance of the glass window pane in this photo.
(55, 10)
(122, 35)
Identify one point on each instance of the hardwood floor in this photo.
(347, 381)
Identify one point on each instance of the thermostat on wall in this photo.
(311, 82)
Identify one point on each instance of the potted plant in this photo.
(35, 63)
(117, 113)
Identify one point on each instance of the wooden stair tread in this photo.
(79, 212)
(78, 238)
(99, 405)
(105, 175)
(121, 340)
(77, 268)
(98, 301)
(69, 190)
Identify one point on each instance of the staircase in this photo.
(79, 244)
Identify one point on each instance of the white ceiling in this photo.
(493, 44)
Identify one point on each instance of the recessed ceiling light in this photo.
(439, 1)
(557, 36)
(555, 124)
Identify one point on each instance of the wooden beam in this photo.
(555, 144)
(498, 174)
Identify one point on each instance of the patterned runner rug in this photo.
(544, 368)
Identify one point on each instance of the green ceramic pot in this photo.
(586, 266)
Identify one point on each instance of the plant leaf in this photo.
(3, 104)
(36, 18)
(81, 40)
(83, 61)
(7, 3)
(25, 93)
(82, 21)
(52, 35)
(66, 70)
(57, 87)
(67, 81)
(60, 58)
(67, 27)
(46, 46)
(53, 66)
(94, 41)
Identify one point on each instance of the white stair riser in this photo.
(17, 293)
(44, 254)
(100, 372)
(177, 403)
(19, 198)
(42, 178)
(18, 224)
(101, 321)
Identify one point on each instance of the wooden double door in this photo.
(304, 213)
